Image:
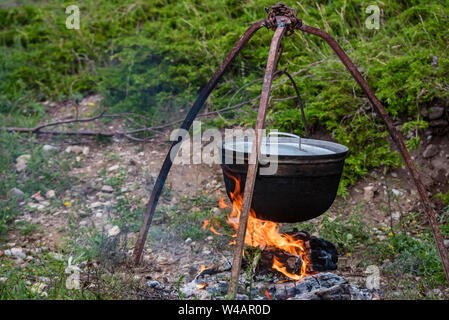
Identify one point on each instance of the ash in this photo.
(320, 286)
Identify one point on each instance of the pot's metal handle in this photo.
(291, 135)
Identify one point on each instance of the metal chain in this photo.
(281, 9)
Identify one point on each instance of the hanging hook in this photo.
(298, 97)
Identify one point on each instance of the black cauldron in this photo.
(305, 183)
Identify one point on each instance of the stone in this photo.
(74, 149)
(396, 216)
(446, 243)
(188, 241)
(435, 113)
(56, 256)
(37, 206)
(97, 204)
(155, 285)
(15, 193)
(113, 168)
(18, 253)
(115, 230)
(368, 193)
(107, 188)
(439, 175)
(21, 162)
(430, 151)
(48, 149)
(50, 194)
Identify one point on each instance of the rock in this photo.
(56, 256)
(48, 149)
(396, 216)
(44, 203)
(446, 243)
(441, 123)
(21, 162)
(430, 151)
(17, 194)
(190, 289)
(37, 206)
(113, 168)
(368, 193)
(107, 188)
(115, 230)
(188, 240)
(50, 194)
(18, 253)
(97, 204)
(155, 285)
(74, 149)
(86, 151)
(435, 113)
(439, 175)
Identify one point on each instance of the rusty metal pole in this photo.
(254, 157)
(427, 205)
(205, 92)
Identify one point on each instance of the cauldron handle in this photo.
(291, 135)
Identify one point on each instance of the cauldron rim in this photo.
(339, 151)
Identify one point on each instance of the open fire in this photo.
(265, 234)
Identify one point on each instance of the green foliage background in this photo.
(153, 56)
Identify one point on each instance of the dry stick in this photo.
(253, 162)
(127, 134)
(205, 92)
(427, 205)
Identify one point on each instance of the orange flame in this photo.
(203, 267)
(201, 286)
(222, 204)
(263, 233)
(205, 224)
(214, 231)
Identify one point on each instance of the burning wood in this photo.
(201, 286)
(206, 270)
(294, 254)
(321, 256)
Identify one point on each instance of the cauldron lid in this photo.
(286, 146)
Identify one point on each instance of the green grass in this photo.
(51, 275)
(44, 172)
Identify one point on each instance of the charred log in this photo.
(322, 256)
